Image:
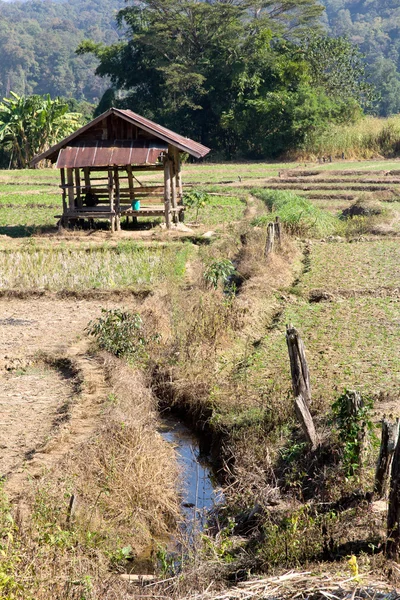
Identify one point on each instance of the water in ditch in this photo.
(199, 489)
(200, 494)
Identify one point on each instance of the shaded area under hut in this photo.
(100, 165)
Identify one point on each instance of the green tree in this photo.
(236, 75)
(337, 66)
(30, 124)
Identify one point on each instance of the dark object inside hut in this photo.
(91, 199)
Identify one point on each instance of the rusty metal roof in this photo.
(118, 153)
(170, 137)
(181, 142)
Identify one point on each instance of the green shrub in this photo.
(196, 199)
(354, 423)
(219, 271)
(119, 332)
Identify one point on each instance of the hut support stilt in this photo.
(111, 199)
(167, 191)
(117, 200)
(70, 184)
(79, 202)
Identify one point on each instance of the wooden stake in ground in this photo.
(269, 246)
(278, 231)
(301, 383)
(393, 518)
(389, 438)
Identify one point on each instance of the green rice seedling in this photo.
(299, 214)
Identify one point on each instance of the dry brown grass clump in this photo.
(128, 467)
(122, 485)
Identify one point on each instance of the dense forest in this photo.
(38, 39)
(374, 25)
(285, 70)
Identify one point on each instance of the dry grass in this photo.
(126, 265)
(369, 138)
(124, 480)
(302, 585)
(128, 467)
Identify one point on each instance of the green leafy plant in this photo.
(196, 199)
(219, 271)
(119, 332)
(352, 415)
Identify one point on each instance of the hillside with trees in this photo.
(38, 39)
(374, 26)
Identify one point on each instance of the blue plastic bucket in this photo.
(136, 205)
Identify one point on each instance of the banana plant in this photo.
(31, 124)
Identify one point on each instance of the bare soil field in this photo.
(45, 372)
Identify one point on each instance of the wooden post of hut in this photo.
(131, 186)
(111, 199)
(167, 191)
(117, 200)
(172, 167)
(79, 203)
(177, 199)
(70, 189)
(64, 196)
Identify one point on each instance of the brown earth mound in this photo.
(362, 208)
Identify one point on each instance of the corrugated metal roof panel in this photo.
(106, 154)
(170, 137)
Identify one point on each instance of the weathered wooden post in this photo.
(393, 517)
(78, 188)
(278, 231)
(178, 175)
(117, 199)
(131, 184)
(354, 405)
(301, 384)
(70, 189)
(174, 201)
(389, 437)
(269, 246)
(64, 195)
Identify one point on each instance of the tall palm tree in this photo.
(31, 124)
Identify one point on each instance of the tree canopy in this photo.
(243, 77)
(38, 39)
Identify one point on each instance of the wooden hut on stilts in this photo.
(100, 165)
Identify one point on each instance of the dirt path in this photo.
(47, 405)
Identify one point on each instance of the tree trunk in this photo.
(390, 435)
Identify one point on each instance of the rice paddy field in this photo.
(213, 314)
